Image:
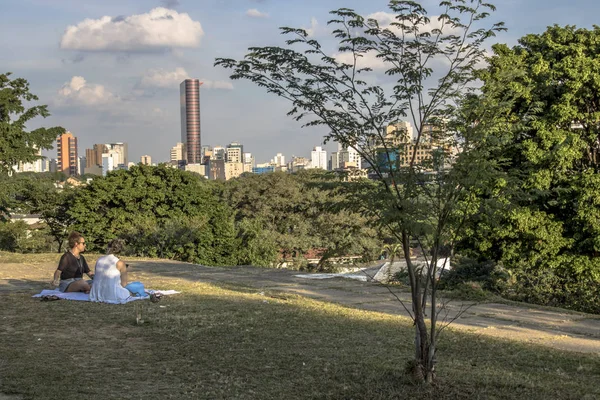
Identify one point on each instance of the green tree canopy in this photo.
(540, 104)
(162, 212)
(17, 144)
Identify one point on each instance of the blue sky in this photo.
(109, 84)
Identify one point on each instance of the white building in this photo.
(235, 153)
(176, 153)
(318, 158)
(110, 162)
(218, 153)
(119, 151)
(81, 162)
(249, 162)
(347, 157)
(279, 160)
(146, 160)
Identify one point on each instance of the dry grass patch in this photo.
(217, 342)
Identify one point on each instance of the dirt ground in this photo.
(552, 327)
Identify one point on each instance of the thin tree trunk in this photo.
(421, 335)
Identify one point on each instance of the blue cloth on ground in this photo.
(136, 289)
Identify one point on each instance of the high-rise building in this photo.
(176, 153)
(298, 163)
(119, 151)
(146, 160)
(93, 156)
(81, 162)
(66, 147)
(218, 153)
(279, 160)
(318, 158)
(346, 157)
(189, 91)
(235, 152)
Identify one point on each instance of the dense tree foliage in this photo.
(161, 211)
(540, 110)
(294, 214)
(17, 144)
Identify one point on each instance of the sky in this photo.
(109, 70)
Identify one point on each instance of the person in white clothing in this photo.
(110, 276)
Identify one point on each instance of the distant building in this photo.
(146, 160)
(219, 153)
(53, 165)
(298, 163)
(279, 160)
(233, 170)
(235, 153)
(119, 154)
(318, 158)
(197, 168)
(66, 147)
(176, 153)
(189, 91)
(93, 170)
(108, 163)
(248, 162)
(81, 165)
(263, 168)
(93, 156)
(216, 170)
(345, 157)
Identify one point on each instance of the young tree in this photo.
(426, 62)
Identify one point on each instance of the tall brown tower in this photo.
(189, 91)
(66, 146)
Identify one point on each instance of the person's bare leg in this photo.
(79, 286)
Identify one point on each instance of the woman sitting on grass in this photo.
(110, 279)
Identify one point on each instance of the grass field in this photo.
(233, 342)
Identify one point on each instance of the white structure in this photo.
(249, 162)
(346, 157)
(235, 152)
(119, 151)
(218, 153)
(298, 163)
(81, 165)
(176, 153)
(146, 160)
(108, 163)
(279, 160)
(318, 158)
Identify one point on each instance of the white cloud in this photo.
(158, 29)
(254, 13)
(164, 79)
(314, 26)
(368, 60)
(161, 78)
(79, 92)
(224, 85)
(385, 19)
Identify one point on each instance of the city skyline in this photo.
(108, 85)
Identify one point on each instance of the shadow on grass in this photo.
(32, 286)
(213, 343)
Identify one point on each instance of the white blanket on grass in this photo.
(80, 296)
